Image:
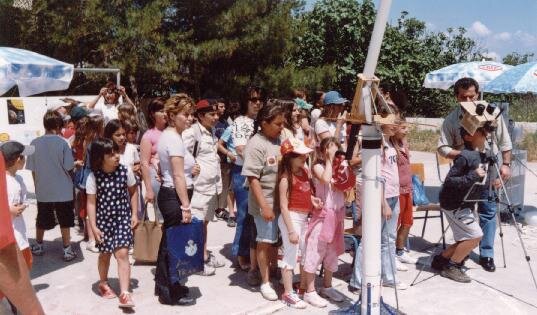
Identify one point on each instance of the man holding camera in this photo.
(450, 145)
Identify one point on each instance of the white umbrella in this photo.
(519, 79)
(31, 72)
(481, 71)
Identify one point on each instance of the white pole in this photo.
(372, 188)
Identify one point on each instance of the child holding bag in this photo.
(324, 238)
(112, 202)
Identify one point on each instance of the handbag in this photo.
(185, 249)
(419, 198)
(147, 236)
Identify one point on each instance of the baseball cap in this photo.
(295, 146)
(78, 112)
(333, 97)
(303, 104)
(13, 149)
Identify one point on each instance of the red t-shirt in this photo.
(6, 228)
(300, 194)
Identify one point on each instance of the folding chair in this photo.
(419, 170)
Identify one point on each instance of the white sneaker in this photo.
(292, 300)
(91, 247)
(332, 294)
(405, 258)
(314, 299)
(268, 292)
(400, 285)
(207, 271)
(400, 266)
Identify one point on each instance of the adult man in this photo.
(450, 145)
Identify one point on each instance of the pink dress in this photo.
(153, 136)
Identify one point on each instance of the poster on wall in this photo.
(15, 111)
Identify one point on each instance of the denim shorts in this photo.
(267, 232)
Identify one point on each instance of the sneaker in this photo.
(253, 278)
(37, 249)
(332, 294)
(125, 300)
(213, 262)
(91, 247)
(405, 258)
(439, 262)
(399, 265)
(398, 285)
(207, 271)
(455, 273)
(231, 222)
(268, 292)
(314, 299)
(292, 300)
(68, 253)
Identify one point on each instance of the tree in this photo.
(515, 58)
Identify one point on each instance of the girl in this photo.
(112, 200)
(296, 202)
(261, 169)
(173, 200)
(291, 125)
(390, 215)
(324, 238)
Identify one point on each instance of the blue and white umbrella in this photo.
(481, 71)
(31, 72)
(519, 79)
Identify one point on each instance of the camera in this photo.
(479, 114)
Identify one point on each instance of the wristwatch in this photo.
(507, 164)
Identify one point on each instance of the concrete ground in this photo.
(70, 288)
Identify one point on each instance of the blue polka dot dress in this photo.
(113, 210)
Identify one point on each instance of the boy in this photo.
(14, 154)
(467, 170)
(51, 166)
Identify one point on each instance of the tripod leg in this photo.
(501, 234)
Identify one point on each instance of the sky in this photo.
(501, 27)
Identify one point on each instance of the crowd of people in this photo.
(271, 168)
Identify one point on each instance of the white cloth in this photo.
(51, 162)
(322, 125)
(241, 131)
(291, 252)
(170, 144)
(109, 111)
(189, 165)
(315, 114)
(91, 183)
(209, 180)
(16, 195)
(130, 156)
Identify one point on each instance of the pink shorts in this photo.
(317, 252)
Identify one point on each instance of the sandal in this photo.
(125, 300)
(106, 292)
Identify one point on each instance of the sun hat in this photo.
(292, 145)
(333, 97)
(303, 104)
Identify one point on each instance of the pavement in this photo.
(70, 288)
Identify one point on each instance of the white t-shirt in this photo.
(170, 144)
(322, 125)
(130, 156)
(315, 114)
(91, 183)
(189, 165)
(51, 162)
(109, 111)
(241, 131)
(16, 195)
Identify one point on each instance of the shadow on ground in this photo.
(52, 258)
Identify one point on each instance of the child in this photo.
(261, 156)
(296, 202)
(324, 238)
(390, 215)
(405, 220)
(112, 200)
(51, 166)
(465, 172)
(14, 155)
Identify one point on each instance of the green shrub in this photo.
(423, 140)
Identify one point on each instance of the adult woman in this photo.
(173, 197)
(157, 121)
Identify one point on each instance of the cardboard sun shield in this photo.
(471, 121)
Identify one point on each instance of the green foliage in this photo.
(515, 58)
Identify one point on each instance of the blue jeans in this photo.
(487, 222)
(241, 242)
(387, 248)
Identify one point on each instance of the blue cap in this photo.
(303, 104)
(333, 97)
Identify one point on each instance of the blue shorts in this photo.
(267, 232)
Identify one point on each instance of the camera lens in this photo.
(479, 109)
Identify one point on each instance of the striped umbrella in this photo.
(519, 79)
(31, 72)
(481, 71)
